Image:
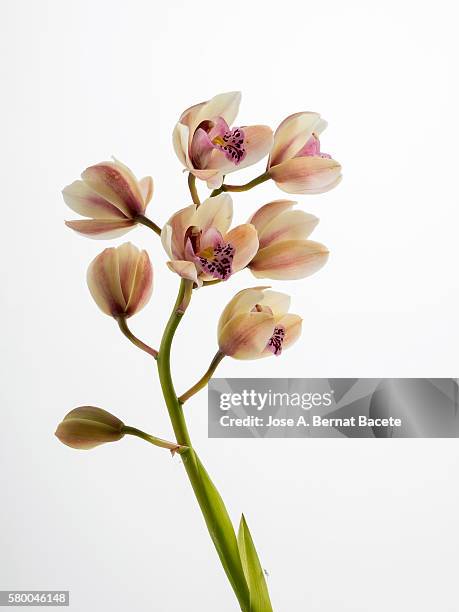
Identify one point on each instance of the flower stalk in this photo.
(143, 220)
(122, 323)
(204, 380)
(193, 189)
(172, 446)
(246, 187)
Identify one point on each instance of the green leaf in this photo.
(219, 525)
(259, 596)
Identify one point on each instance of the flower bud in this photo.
(86, 427)
(256, 324)
(110, 196)
(121, 280)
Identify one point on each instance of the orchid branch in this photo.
(204, 380)
(193, 189)
(130, 336)
(172, 446)
(250, 185)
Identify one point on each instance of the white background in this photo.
(341, 525)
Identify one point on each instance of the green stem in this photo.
(148, 223)
(193, 190)
(130, 336)
(177, 418)
(250, 185)
(203, 381)
(172, 446)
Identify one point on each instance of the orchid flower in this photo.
(296, 163)
(256, 324)
(284, 252)
(112, 198)
(200, 246)
(121, 280)
(209, 148)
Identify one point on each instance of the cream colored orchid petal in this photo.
(278, 302)
(128, 256)
(225, 105)
(102, 229)
(268, 212)
(142, 284)
(306, 174)
(103, 279)
(292, 134)
(146, 189)
(216, 212)
(86, 202)
(180, 140)
(114, 182)
(289, 260)
(243, 302)
(246, 335)
(185, 269)
(244, 239)
(290, 225)
(173, 233)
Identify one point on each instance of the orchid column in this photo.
(203, 251)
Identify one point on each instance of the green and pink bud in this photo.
(87, 427)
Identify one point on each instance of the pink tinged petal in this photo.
(244, 239)
(274, 345)
(173, 234)
(115, 182)
(216, 212)
(289, 260)
(257, 143)
(290, 225)
(104, 284)
(142, 285)
(200, 149)
(100, 228)
(146, 189)
(286, 333)
(245, 336)
(306, 175)
(312, 148)
(185, 269)
(83, 200)
(217, 263)
(292, 134)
